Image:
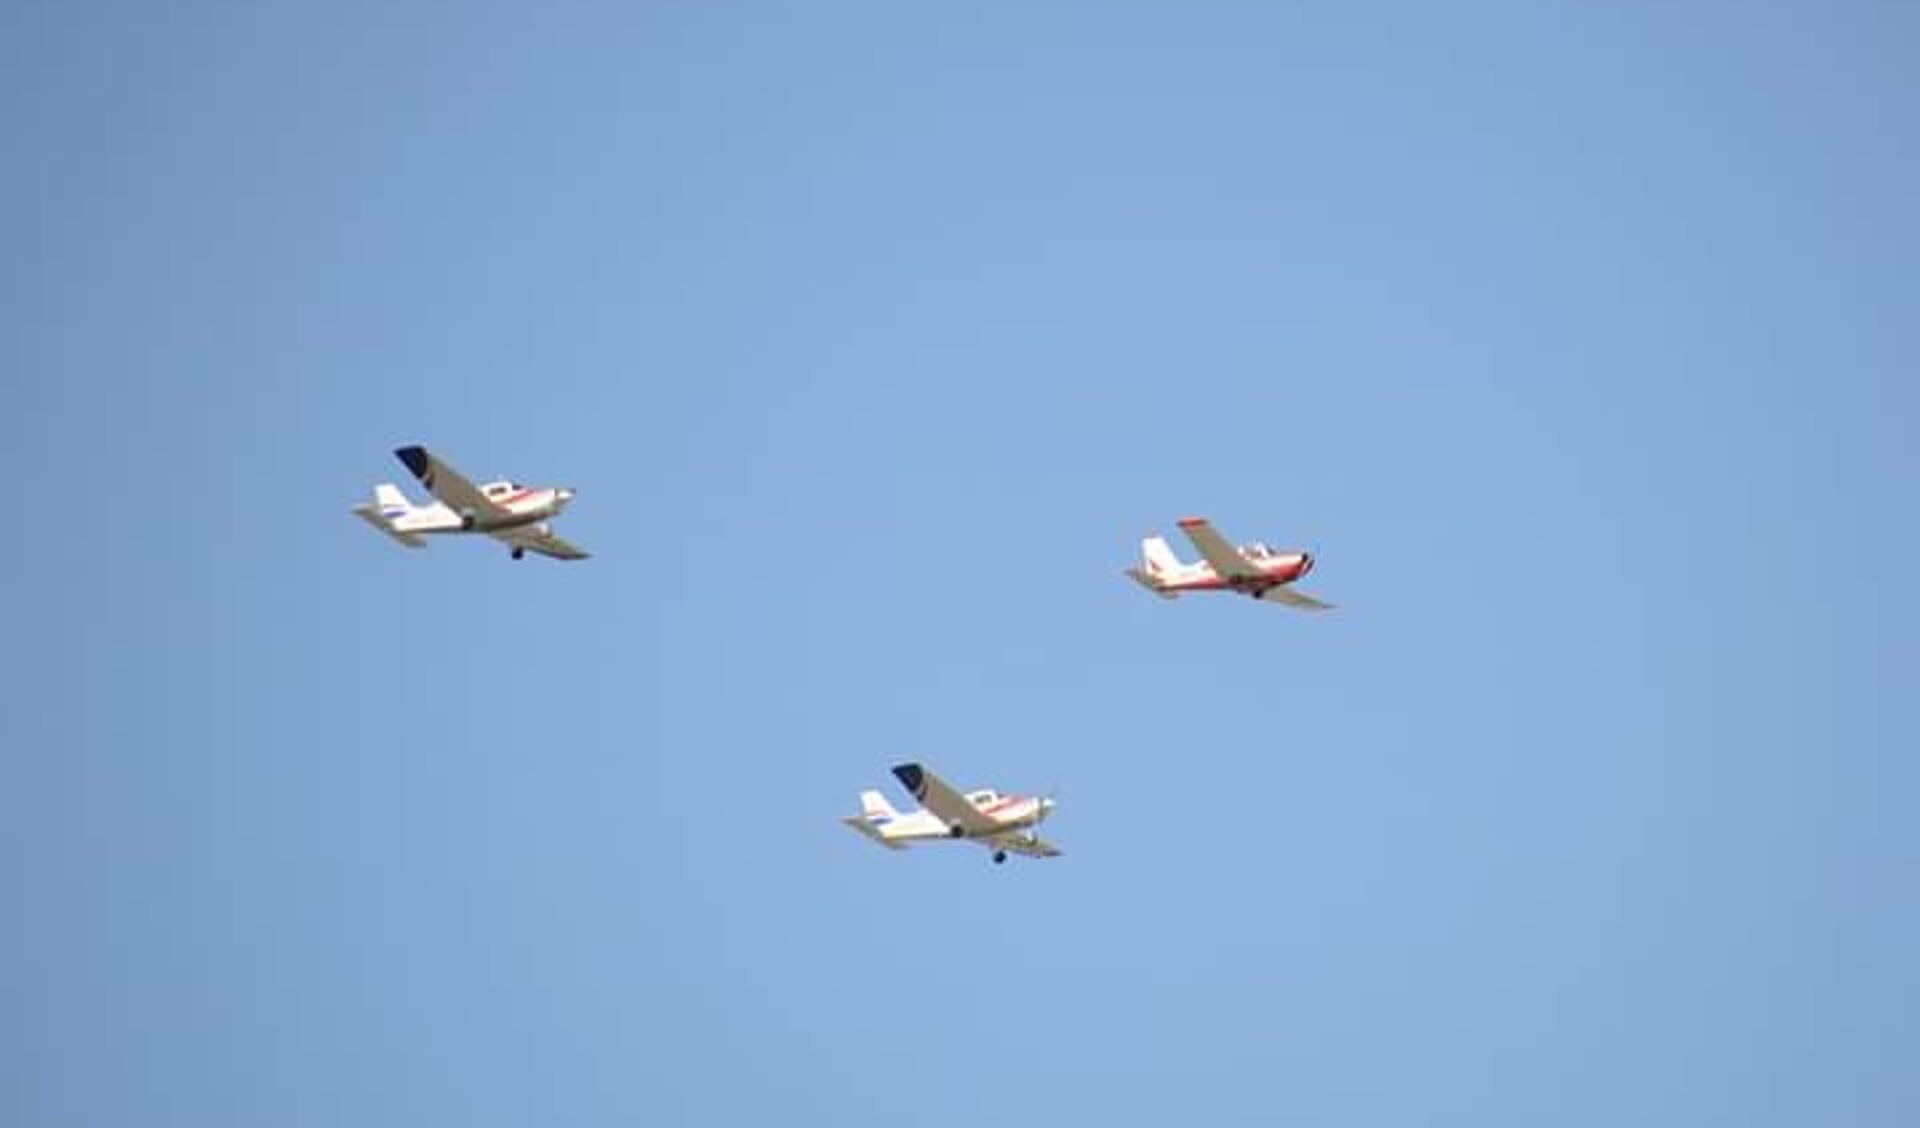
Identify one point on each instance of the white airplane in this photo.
(999, 822)
(1253, 570)
(514, 514)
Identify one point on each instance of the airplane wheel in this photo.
(519, 553)
(999, 857)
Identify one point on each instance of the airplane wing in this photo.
(935, 795)
(447, 484)
(546, 544)
(1226, 559)
(1032, 847)
(1281, 593)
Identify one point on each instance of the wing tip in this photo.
(414, 458)
(1286, 596)
(913, 777)
(1192, 522)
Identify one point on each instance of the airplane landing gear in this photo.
(519, 553)
(999, 857)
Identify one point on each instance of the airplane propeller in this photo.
(1047, 802)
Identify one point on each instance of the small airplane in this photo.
(1254, 570)
(514, 514)
(999, 822)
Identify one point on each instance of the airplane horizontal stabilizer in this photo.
(1147, 581)
(860, 824)
(372, 517)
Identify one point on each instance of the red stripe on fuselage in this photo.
(999, 807)
(513, 498)
(1279, 574)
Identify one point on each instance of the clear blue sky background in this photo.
(1577, 340)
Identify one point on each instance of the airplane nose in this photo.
(564, 494)
(1306, 563)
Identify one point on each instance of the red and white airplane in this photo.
(519, 516)
(1002, 823)
(1253, 569)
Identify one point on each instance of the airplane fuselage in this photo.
(523, 507)
(1011, 812)
(1278, 568)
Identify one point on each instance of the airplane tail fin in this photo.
(1158, 556)
(1157, 560)
(389, 506)
(391, 501)
(876, 809)
(875, 814)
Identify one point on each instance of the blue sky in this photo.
(1575, 341)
